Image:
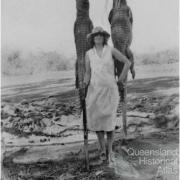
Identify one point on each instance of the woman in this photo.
(102, 94)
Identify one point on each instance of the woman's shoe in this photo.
(103, 156)
(111, 158)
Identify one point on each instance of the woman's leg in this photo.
(110, 139)
(100, 135)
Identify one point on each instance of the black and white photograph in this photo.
(89, 90)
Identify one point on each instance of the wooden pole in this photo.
(124, 109)
(123, 101)
(85, 135)
(85, 129)
(120, 18)
(82, 27)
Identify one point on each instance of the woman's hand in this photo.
(83, 87)
(87, 74)
(121, 83)
(122, 78)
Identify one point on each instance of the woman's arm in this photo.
(120, 57)
(87, 75)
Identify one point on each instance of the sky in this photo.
(47, 25)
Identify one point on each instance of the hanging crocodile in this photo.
(121, 21)
(82, 26)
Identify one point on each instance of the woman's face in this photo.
(98, 39)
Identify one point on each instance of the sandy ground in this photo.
(56, 152)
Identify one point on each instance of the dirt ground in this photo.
(42, 135)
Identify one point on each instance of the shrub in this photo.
(17, 63)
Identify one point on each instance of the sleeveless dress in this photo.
(102, 95)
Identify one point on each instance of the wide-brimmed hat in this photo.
(98, 30)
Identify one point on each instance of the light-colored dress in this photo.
(102, 95)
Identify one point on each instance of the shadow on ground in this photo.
(65, 88)
(152, 84)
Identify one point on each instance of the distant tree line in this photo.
(162, 57)
(18, 63)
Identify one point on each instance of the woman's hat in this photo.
(98, 30)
